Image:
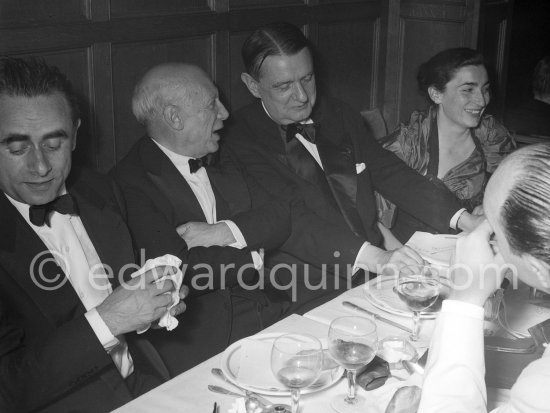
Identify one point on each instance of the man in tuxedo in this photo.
(183, 202)
(67, 313)
(319, 151)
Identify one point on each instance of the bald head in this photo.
(167, 84)
(518, 195)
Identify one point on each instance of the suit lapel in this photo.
(30, 264)
(336, 155)
(166, 177)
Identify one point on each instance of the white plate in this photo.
(380, 293)
(230, 365)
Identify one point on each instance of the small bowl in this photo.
(396, 349)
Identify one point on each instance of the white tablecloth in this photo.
(188, 392)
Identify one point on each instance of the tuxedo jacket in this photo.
(159, 199)
(50, 358)
(342, 217)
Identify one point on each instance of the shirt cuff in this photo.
(102, 332)
(356, 265)
(240, 242)
(454, 220)
(463, 308)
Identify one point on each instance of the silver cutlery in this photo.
(376, 316)
(264, 404)
(219, 373)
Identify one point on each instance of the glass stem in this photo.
(416, 325)
(295, 400)
(352, 387)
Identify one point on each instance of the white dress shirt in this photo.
(71, 247)
(454, 379)
(201, 187)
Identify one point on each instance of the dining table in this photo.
(188, 392)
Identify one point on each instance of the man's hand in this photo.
(180, 307)
(468, 222)
(477, 269)
(201, 234)
(138, 302)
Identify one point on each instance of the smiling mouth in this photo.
(39, 185)
(474, 112)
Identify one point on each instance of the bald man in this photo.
(184, 202)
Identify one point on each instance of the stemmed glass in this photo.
(418, 286)
(296, 361)
(352, 342)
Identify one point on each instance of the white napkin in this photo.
(167, 320)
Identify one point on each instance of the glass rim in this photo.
(370, 322)
(312, 339)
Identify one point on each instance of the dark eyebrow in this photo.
(19, 137)
(473, 84)
(59, 133)
(15, 137)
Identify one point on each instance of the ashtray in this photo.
(396, 349)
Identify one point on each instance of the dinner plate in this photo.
(258, 377)
(380, 293)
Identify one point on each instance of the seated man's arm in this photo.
(154, 235)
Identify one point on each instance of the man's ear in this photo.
(77, 125)
(435, 95)
(172, 117)
(541, 269)
(251, 84)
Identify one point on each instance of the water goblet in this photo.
(296, 361)
(419, 287)
(352, 342)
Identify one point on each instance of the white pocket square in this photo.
(360, 167)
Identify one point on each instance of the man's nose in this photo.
(223, 114)
(39, 163)
(300, 93)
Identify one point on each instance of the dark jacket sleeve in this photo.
(398, 182)
(266, 224)
(34, 373)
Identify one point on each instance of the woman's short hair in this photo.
(32, 77)
(541, 77)
(525, 213)
(275, 39)
(441, 68)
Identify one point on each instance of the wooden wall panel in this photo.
(418, 29)
(16, 12)
(131, 61)
(239, 95)
(125, 8)
(347, 61)
(240, 4)
(436, 36)
(366, 48)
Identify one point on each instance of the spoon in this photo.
(252, 400)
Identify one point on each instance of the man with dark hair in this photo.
(66, 326)
(319, 151)
(211, 216)
(533, 116)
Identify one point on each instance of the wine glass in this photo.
(352, 342)
(418, 286)
(296, 361)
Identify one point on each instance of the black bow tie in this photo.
(64, 204)
(196, 164)
(307, 130)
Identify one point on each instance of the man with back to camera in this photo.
(66, 334)
(181, 201)
(320, 151)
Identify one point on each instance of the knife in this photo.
(376, 316)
